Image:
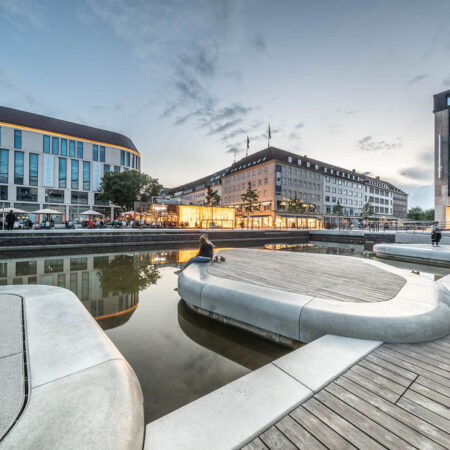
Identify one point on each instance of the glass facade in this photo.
(75, 171)
(4, 157)
(26, 194)
(79, 198)
(128, 159)
(55, 146)
(98, 200)
(86, 175)
(102, 153)
(54, 196)
(46, 145)
(80, 150)
(18, 167)
(72, 149)
(62, 173)
(122, 158)
(116, 169)
(106, 168)
(3, 193)
(95, 152)
(63, 147)
(17, 139)
(33, 169)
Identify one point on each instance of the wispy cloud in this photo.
(368, 144)
(417, 78)
(15, 10)
(418, 173)
(300, 125)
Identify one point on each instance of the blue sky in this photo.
(348, 82)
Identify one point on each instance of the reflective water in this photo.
(177, 355)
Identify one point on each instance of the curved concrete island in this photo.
(63, 382)
(419, 253)
(294, 297)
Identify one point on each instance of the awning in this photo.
(298, 217)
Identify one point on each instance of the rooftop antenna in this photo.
(248, 146)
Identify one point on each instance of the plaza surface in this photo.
(417, 252)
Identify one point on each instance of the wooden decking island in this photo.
(345, 279)
(396, 397)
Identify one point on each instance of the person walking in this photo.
(10, 220)
(435, 234)
(204, 255)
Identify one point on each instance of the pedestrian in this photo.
(10, 220)
(435, 234)
(204, 255)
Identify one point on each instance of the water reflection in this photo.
(327, 248)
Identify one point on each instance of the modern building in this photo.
(278, 176)
(52, 163)
(441, 157)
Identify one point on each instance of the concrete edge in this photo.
(413, 252)
(64, 343)
(416, 314)
(235, 414)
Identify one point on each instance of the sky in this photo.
(347, 82)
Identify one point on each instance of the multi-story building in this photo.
(400, 205)
(51, 163)
(441, 156)
(380, 195)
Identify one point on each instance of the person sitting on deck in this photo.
(204, 255)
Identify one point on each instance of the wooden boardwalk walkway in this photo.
(325, 276)
(398, 397)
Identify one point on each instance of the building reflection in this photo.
(107, 285)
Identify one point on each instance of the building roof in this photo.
(44, 123)
(201, 183)
(440, 101)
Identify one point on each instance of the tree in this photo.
(125, 188)
(337, 209)
(296, 205)
(249, 199)
(367, 211)
(417, 213)
(212, 197)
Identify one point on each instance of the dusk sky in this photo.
(346, 82)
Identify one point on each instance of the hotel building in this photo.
(441, 157)
(51, 163)
(278, 176)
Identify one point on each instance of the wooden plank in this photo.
(320, 430)
(256, 444)
(275, 440)
(341, 426)
(431, 394)
(431, 346)
(371, 386)
(379, 379)
(385, 420)
(380, 370)
(362, 421)
(411, 376)
(404, 416)
(298, 435)
(412, 360)
(419, 356)
(405, 363)
(428, 352)
(444, 390)
(429, 404)
(425, 414)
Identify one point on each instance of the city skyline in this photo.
(351, 84)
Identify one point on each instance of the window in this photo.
(0, 135)
(24, 268)
(132, 161)
(79, 150)
(86, 175)
(116, 169)
(95, 152)
(62, 173)
(18, 167)
(17, 139)
(99, 201)
(63, 147)
(4, 157)
(26, 194)
(122, 157)
(33, 169)
(128, 159)
(46, 146)
(72, 149)
(79, 198)
(54, 196)
(106, 168)
(3, 192)
(55, 146)
(102, 153)
(75, 173)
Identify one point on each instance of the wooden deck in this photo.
(398, 397)
(325, 276)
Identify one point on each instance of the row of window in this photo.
(333, 190)
(299, 183)
(383, 201)
(343, 201)
(287, 170)
(30, 194)
(344, 182)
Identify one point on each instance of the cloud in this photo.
(202, 59)
(294, 136)
(446, 81)
(233, 150)
(368, 144)
(15, 10)
(224, 127)
(300, 125)
(417, 78)
(418, 173)
(259, 43)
